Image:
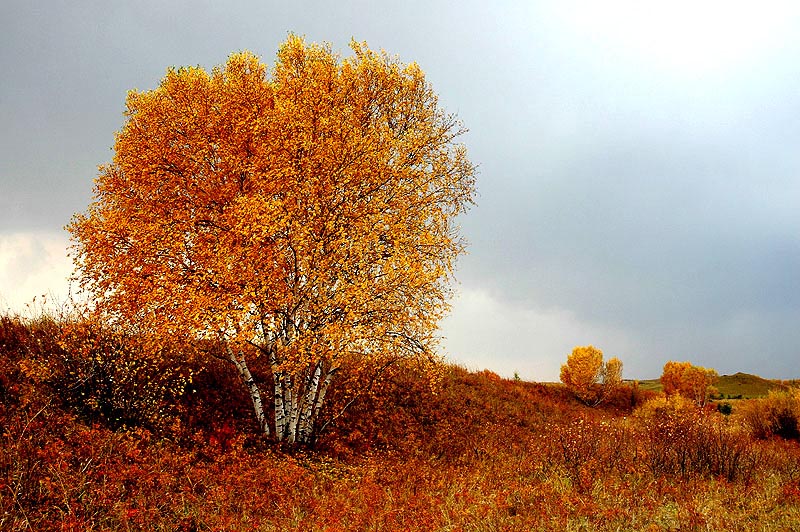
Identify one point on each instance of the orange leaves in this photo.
(307, 210)
(583, 366)
(613, 372)
(508, 455)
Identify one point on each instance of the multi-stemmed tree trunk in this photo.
(300, 216)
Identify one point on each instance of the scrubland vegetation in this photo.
(96, 438)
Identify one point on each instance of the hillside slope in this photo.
(737, 386)
(472, 452)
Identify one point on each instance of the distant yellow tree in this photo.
(588, 377)
(693, 382)
(613, 373)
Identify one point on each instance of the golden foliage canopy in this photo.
(688, 380)
(307, 210)
(588, 377)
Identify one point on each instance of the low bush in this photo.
(680, 439)
(777, 414)
(100, 375)
(591, 450)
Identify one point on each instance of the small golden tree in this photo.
(588, 377)
(693, 382)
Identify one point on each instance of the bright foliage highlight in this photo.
(692, 382)
(588, 377)
(302, 217)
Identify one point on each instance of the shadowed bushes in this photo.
(100, 375)
(778, 414)
(683, 440)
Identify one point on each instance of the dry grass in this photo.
(479, 453)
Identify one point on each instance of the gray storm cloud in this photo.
(638, 178)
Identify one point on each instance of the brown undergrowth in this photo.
(116, 444)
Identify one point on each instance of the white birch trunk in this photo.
(321, 398)
(291, 414)
(302, 427)
(315, 405)
(239, 361)
(295, 413)
(279, 405)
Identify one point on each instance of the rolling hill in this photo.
(737, 386)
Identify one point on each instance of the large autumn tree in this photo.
(302, 215)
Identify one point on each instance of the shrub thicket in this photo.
(778, 414)
(683, 440)
(412, 455)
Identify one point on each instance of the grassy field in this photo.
(747, 386)
(80, 450)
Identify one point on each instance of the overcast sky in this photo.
(639, 183)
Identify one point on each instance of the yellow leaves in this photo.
(613, 372)
(35, 370)
(583, 366)
(693, 382)
(243, 65)
(588, 377)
